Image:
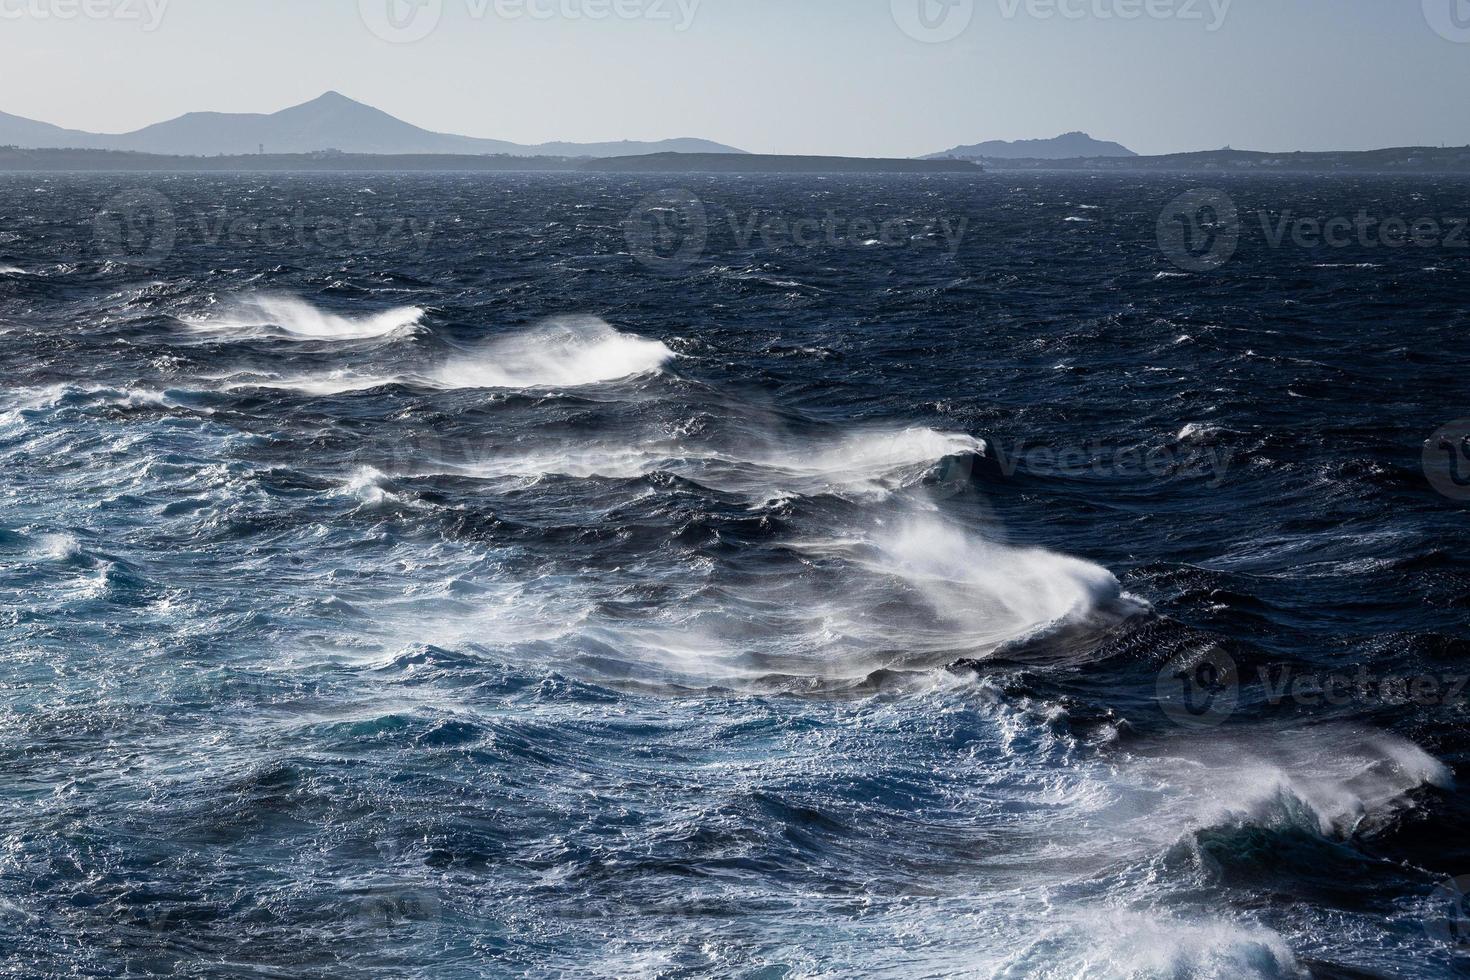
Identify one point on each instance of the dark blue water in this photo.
(520, 575)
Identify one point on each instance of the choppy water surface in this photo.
(421, 577)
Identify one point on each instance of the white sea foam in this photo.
(568, 353)
(11, 270)
(54, 396)
(869, 462)
(366, 485)
(867, 459)
(982, 594)
(1098, 944)
(291, 318)
(565, 353)
(59, 547)
(913, 597)
(1334, 783)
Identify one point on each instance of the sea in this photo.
(1007, 575)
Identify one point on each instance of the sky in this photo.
(856, 77)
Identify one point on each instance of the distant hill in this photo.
(331, 122)
(1402, 159)
(725, 163)
(1068, 146)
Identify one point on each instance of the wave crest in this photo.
(571, 352)
(292, 318)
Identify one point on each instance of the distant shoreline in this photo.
(1408, 159)
(1404, 160)
(13, 160)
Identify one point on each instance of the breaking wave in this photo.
(565, 353)
(560, 354)
(291, 318)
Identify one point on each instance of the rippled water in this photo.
(420, 577)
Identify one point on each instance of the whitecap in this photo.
(1088, 943)
(367, 486)
(564, 353)
(291, 318)
(567, 353)
(872, 462)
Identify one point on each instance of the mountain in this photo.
(27, 133)
(331, 122)
(1068, 146)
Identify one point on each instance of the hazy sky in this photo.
(798, 76)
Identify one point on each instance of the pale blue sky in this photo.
(797, 76)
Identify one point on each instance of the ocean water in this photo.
(538, 575)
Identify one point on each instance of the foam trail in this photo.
(1001, 593)
(866, 461)
(1120, 943)
(912, 598)
(563, 353)
(295, 319)
(871, 462)
(11, 270)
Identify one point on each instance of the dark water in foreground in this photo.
(401, 577)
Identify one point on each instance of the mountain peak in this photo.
(331, 100)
